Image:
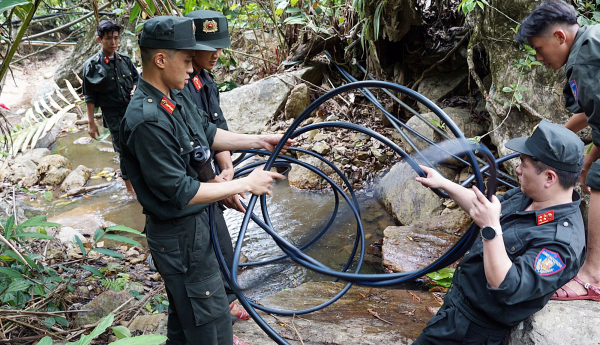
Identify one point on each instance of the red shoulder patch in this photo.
(197, 82)
(167, 105)
(119, 56)
(106, 60)
(545, 217)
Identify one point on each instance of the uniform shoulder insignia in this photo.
(573, 85)
(197, 82)
(545, 217)
(548, 263)
(167, 105)
(106, 60)
(150, 110)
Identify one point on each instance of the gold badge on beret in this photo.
(210, 26)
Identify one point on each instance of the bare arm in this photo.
(92, 127)
(226, 141)
(461, 195)
(577, 122)
(590, 158)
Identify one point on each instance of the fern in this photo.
(116, 284)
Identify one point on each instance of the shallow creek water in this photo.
(296, 215)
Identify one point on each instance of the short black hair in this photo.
(147, 54)
(107, 27)
(548, 13)
(566, 179)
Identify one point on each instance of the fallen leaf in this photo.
(376, 315)
(415, 297)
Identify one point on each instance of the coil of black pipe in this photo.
(460, 148)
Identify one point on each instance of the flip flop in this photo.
(238, 341)
(565, 293)
(242, 314)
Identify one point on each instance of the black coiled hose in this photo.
(457, 148)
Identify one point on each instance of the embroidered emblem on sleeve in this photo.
(197, 82)
(167, 105)
(573, 85)
(545, 217)
(548, 263)
(106, 60)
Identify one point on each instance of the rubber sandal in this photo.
(238, 341)
(565, 293)
(242, 314)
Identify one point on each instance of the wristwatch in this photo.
(490, 232)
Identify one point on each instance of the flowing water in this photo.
(296, 215)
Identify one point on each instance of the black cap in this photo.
(211, 29)
(169, 32)
(553, 145)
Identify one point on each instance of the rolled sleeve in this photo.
(523, 283)
(162, 166)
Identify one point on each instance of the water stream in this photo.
(296, 215)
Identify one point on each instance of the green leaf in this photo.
(480, 4)
(31, 234)
(124, 239)
(106, 132)
(377, 18)
(18, 285)
(118, 11)
(151, 6)
(6, 5)
(518, 96)
(39, 291)
(10, 222)
(189, 7)
(48, 196)
(121, 332)
(36, 221)
(45, 341)
(146, 339)
(507, 89)
(522, 88)
(124, 229)
(11, 272)
(135, 12)
(62, 321)
(93, 270)
(49, 322)
(98, 234)
(78, 240)
(102, 326)
(109, 252)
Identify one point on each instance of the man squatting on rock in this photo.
(213, 34)
(552, 30)
(532, 242)
(159, 132)
(109, 81)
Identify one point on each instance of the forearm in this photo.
(496, 262)
(211, 192)
(577, 122)
(226, 141)
(461, 195)
(90, 111)
(223, 160)
(591, 157)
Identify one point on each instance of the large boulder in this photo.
(407, 200)
(76, 179)
(23, 172)
(248, 108)
(298, 100)
(438, 86)
(34, 155)
(53, 170)
(101, 306)
(573, 322)
(303, 178)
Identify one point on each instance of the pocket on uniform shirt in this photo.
(208, 299)
(167, 254)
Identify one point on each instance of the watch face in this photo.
(488, 233)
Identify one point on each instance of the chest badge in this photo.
(548, 262)
(573, 86)
(167, 105)
(545, 217)
(197, 82)
(106, 60)
(210, 26)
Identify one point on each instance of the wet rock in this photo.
(574, 322)
(407, 200)
(421, 127)
(349, 321)
(85, 218)
(297, 101)
(83, 141)
(303, 178)
(81, 122)
(150, 324)
(321, 148)
(101, 306)
(438, 86)
(53, 170)
(34, 155)
(76, 179)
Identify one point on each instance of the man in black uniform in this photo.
(109, 81)
(160, 135)
(552, 30)
(532, 242)
(212, 33)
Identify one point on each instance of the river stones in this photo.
(53, 170)
(76, 179)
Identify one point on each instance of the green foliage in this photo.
(157, 304)
(227, 85)
(442, 277)
(517, 96)
(438, 123)
(116, 284)
(467, 6)
(589, 12)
